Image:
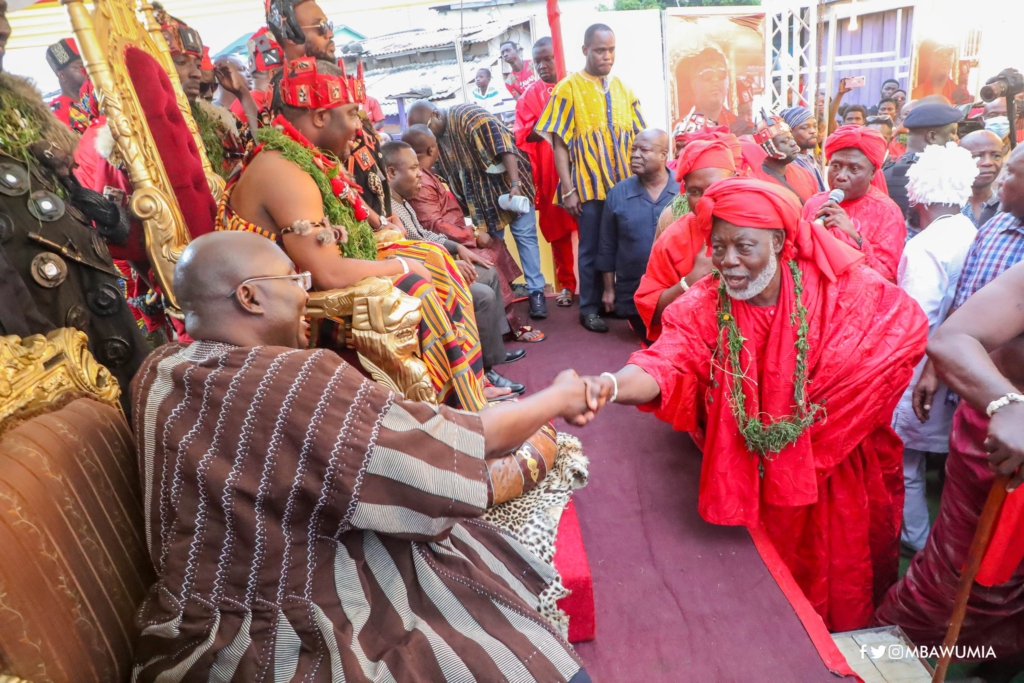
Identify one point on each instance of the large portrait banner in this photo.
(716, 64)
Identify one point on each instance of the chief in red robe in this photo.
(829, 495)
(876, 218)
(556, 224)
(676, 250)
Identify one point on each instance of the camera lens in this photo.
(993, 90)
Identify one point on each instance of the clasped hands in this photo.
(582, 397)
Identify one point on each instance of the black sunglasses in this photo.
(322, 27)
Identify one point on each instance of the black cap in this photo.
(933, 115)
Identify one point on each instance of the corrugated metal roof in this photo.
(423, 39)
(442, 77)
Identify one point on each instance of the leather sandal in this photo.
(529, 335)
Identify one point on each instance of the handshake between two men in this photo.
(585, 397)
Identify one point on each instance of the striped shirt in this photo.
(597, 118)
(998, 246)
(470, 161)
(307, 524)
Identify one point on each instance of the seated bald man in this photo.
(305, 523)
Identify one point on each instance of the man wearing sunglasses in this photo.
(302, 29)
(317, 525)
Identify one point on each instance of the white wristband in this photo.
(684, 284)
(1003, 402)
(405, 266)
(615, 384)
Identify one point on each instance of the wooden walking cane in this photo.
(979, 545)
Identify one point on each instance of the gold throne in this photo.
(175, 188)
(74, 565)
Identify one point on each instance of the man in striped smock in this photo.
(591, 120)
(306, 523)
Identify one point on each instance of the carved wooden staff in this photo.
(979, 545)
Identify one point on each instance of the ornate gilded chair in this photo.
(176, 189)
(74, 565)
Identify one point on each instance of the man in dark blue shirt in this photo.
(629, 222)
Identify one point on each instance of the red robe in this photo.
(881, 226)
(70, 113)
(555, 222)
(831, 502)
(671, 260)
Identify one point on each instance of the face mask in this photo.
(1000, 125)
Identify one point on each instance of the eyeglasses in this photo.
(303, 279)
(712, 75)
(322, 27)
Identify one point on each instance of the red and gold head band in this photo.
(769, 127)
(265, 54)
(304, 87)
(764, 135)
(182, 39)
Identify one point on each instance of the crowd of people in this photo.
(783, 283)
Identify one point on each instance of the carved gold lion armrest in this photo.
(385, 326)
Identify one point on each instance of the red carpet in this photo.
(677, 599)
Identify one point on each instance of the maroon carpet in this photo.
(677, 599)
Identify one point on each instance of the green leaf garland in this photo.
(361, 242)
(761, 438)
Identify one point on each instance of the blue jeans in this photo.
(591, 279)
(524, 232)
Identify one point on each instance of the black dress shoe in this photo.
(513, 356)
(594, 323)
(504, 382)
(538, 306)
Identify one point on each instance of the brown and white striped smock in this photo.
(306, 524)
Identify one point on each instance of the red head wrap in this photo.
(868, 141)
(720, 151)
(207, 64)
(751, 203)
(303, 86)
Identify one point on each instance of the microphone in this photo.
(836, 196)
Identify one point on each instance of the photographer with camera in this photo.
(1001, 113)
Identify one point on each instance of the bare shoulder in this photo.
(271, 170)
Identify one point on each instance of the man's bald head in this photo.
(420, 138)
(649, 154)
(426, 112)
(987, 149)
(208, 284)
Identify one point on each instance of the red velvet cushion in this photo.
(571, 562)
(174, 141)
